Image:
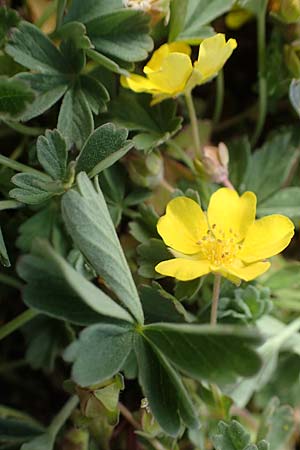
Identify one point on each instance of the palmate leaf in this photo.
(154, 124)
(57, 74)
(31, 48)
(89, 9)
(121, 34)
(88, 221)
(233, 436)
(14, 97)
(271, 165)
(66, 294)
(286, 201)
(100, 352)
(49, 88)
(195, 16)
(215, 354)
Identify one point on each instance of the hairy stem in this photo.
(219, 98)
(262, 82)
(19, 167)
(194, 123)
(215, 299)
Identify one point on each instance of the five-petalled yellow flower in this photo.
(170, 71)
(227, 240)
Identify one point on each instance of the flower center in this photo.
(219, 251)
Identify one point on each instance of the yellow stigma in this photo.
(219, 251)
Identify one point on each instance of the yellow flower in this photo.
(226, 240)
(170, 71)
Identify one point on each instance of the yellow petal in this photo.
(213, 53)
(267, 237)
(247, 272)
(137, 83)
(175, 71)
(183, 225)
(160, 54)
(230, 215)
(183, 269)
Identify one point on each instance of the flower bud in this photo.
(286, 10)
(156, 8)
(214, 163)
(292, 60)
(146, 170)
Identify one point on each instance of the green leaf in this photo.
(255, 6)
(14, 97)
(102, 149)
(100, 353)
(215, 354)
(39, 225)
(89, 9)
(239, 160)
(233, 436)
(294, 95)
(150, 254)
(177, 19)
(31, 48)
(277, 425)
(9, 18)
(67, 295)
(165, 392)
(16, 428)
(75, 120)
(159, 306)
(33, 189)
(285, 201)
(271, 165)
(95, 92)
(243, 390)
(50, 335)
(49, 88)
(155, 124)
(122, 34)
(76, 32)
(88, 221)
(52, 154)
(200, 13)
(4, 259)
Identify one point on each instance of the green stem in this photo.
(19, 167)
(24, 129)
(194, 123)
(17, 323)
(10, 281)
(262, 82)
(219, 98)
(215, 300)
(63, 415)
